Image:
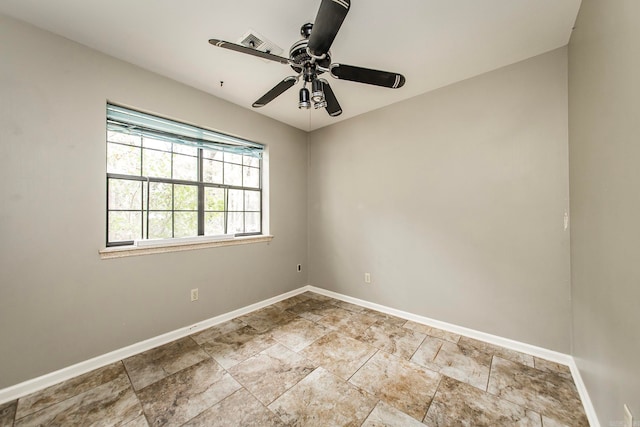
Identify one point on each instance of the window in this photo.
(167, 180)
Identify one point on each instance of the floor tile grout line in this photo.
(126, 371)
(243, 387)
(361, 366)
(433, 397)
(289, 388)
(489, 376)
(370, 412)
(419, 345)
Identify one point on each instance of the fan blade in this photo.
(368, 76)
(248, 50)
(328, 22)
(333, 107)
(277, 90)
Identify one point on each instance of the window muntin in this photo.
(162, 185)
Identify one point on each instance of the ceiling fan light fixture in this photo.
(304, 99)
(317, 94)
(310, 57)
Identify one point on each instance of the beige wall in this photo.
(604, 106)
(454, 202)
(59, 303)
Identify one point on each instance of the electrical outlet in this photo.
(299, 268)
(194, 294)
(628, 417)
(367, 277)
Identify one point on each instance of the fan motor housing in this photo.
(300, 57)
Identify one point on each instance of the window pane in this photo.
(251, 161)
(123, 138)
(251, 200)
(185, 149)
(232, 174)
(212, 171)
(185, 197)
(123, 159)
(213, 223)
(160, 225)
(124, 226)
(251, 177)
(233, 158)
(125, 194)
(156, 144)
(236, 222)
(185, 224)
(213, 154)
(156, 164)
(160, 196)
(185, 167)
(213, 199)
(236, 202)
(252, 222)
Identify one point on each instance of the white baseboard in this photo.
(30, 386)
(533, 350)
(584, 394)
(39, 383)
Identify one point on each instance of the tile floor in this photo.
(313, 361)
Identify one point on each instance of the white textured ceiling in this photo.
(432, 42)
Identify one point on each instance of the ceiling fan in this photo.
(310, 58)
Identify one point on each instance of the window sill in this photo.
(127, 251)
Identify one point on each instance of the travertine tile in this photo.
(311, 309)
(495, 350)
(426, 353)
(180, 382)
(141, 421)
(550, 422)
(180, 397)
(317, 297)
(348, 306)
(271, 372)
(215, 331)
(346, 322)
(157, 363)
(466, 364)
(432, 332)
(339, 354)
(267, 318)
(385, 415)
(111, 403)
(547, 393)
(384, 317)
(239, 409)
(457, 403)
(557, 368)
(322, 399)
(236, 346)
(393, 339)
(8, 413)
(298, 333)
(289, 302)
(402, 384)
(64, 390)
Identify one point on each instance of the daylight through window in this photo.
(168, 180)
